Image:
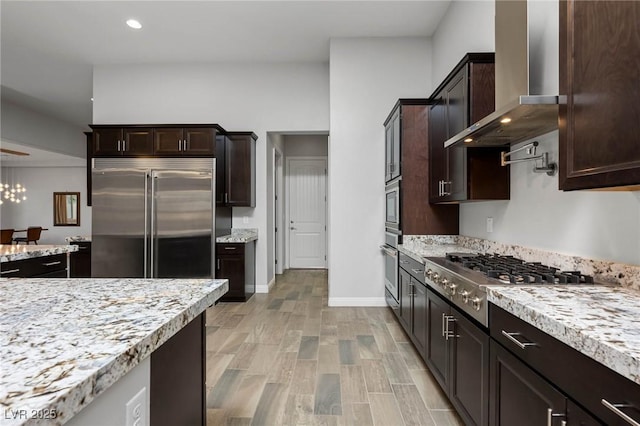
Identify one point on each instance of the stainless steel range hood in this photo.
(526, 35)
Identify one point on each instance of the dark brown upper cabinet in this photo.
(408, 124)
(237, 171)
(600, 121)
(116, 141)
(463, 173)
(392, 146)
(186, 141)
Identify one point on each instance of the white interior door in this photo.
(307, 212)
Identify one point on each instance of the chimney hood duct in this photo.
(525, 32)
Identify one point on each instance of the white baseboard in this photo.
(266, 288)
(357, 301)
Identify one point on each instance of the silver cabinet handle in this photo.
(448, 333)
(551, 415)
(521, 345)
(391, 252)
(52, 263)
(218, 263)
(124, 145)
(439, 188)
(179, 144)
(119, 146)
(404, 262)
(443, 331)
(417, 271)
(184, 142)
(230, 248)
(443, 186)
(10, 271)
(226, 197)
(616, 409)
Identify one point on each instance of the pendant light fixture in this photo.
(12, 191)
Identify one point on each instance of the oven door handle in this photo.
(391, 252)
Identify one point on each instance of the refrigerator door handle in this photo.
(152, 230)
(146, 224)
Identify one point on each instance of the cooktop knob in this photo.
(452, 288)
(428, 273)
(476, 302)
(465, 296)
(444, 282)
(435, 277)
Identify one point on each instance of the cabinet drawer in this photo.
(230, 248)
(583, 379)
(412, 266)
(34, 266)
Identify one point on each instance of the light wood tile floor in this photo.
(286, 358)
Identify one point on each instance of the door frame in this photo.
(279, 219)
(288, 204)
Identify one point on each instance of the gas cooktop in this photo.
(462, 278)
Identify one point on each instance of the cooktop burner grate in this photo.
(509, 269)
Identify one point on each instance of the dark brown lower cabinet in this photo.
(178, 367)
(236, 262)
(54, 266)
(404, 312)
(457, 353)
(80, 261)
(519, 396)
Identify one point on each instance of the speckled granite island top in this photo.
(240, 235)
(9, 253)
(65, 341)
(600, 322)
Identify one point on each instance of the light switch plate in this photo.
(489, 224)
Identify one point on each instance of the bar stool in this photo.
(6, 236)
(33, 234)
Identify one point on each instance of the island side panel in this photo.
(178, 378)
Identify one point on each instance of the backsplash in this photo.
(603, 271)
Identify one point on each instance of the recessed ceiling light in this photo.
(467, 140)
(135, 24)
(505, 120)
(91, 99)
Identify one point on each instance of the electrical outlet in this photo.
(137, 409)
(489, 224)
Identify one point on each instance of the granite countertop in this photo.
(239, 235)
(78, 239)
(599, 321)
(420, 251)
(13, 252)
(65, 341)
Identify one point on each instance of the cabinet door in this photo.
(576, 416)
(137, 141)
(397, 142)
(167, 141)
(231, 267)
(240, 171)
(437, 353)
(221, 189)
(519, 396)
(469, 391)
(404, 313)
(437, 153)
(599, 123)
(199, 141)
(388, 151)
(419, 316)
(80, 261)
(107, 142)
(457, 106)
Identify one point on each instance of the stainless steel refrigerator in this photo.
(153, 217)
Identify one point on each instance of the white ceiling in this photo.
(36, 158)
(49, 48)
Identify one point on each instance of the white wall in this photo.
(306, 145)
(467, 26)
(37, 210)
(592, 224)
(258, 97)
(368, 75)
(26, 127)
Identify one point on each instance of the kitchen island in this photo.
(14, 252)
(63, 342)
